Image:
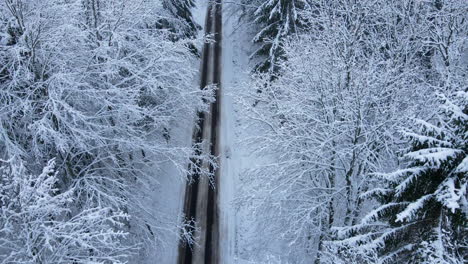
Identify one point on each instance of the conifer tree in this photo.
(278, 19)
(425, 203)
(182, 22)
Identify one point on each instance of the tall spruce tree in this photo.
(425, 204)
(277, 19)
(182, 21)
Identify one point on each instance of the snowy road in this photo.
(201, 199)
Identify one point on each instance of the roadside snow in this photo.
(234, 223)
(167, 196)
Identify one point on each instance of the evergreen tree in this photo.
(182, 22)
(425, 204)
(278, 19)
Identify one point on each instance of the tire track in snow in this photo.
(201, 199)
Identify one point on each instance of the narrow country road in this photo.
(201, 197)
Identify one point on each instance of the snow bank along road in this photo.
(201, 198)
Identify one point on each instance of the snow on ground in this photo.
(163, 202)
(230, 161)
(199, 14)
(235, 224)
(238, 227)
(167, 197)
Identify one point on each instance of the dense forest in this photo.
(357, 108)
(89, 91)
(365, 107)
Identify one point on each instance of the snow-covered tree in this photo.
(182, 20)
(420, 219)
(425, 203)
(277, 19)
(98, 85)
(35, 226)
(330, 120)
